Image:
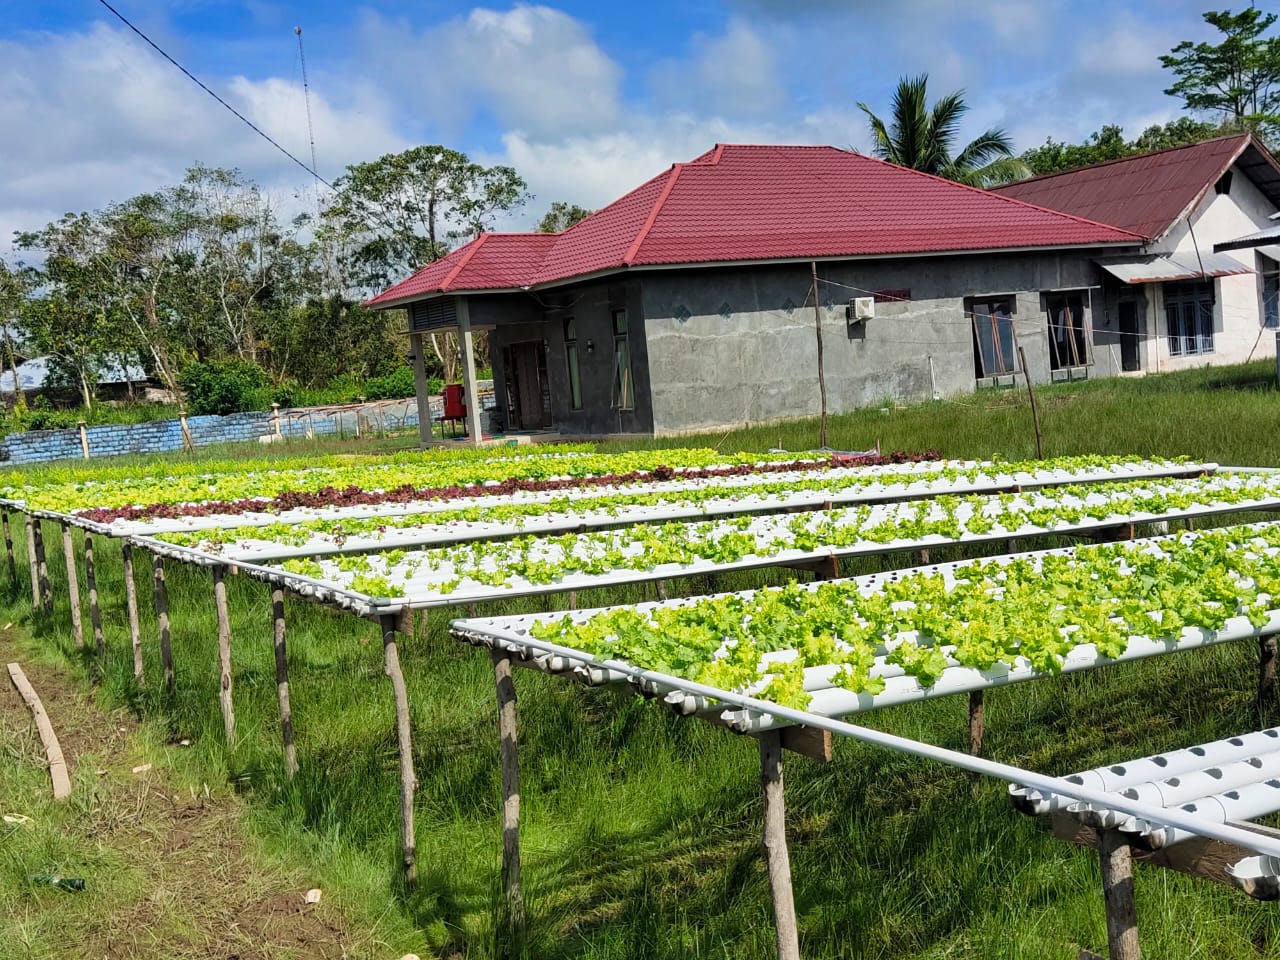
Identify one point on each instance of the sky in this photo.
(585, 99)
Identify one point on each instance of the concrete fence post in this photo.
(275, 419)
(84, 438)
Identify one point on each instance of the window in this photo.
(993, 350)
(623, 389)
(1188, 311)
(1068, 343)
(571, 358)
(1270, 271)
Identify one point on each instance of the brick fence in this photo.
(159, 436)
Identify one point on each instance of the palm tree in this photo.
(922, 139)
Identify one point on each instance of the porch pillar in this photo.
(421, 389)
(474, 433)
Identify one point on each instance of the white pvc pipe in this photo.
(489, 634)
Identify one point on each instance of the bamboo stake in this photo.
(1117, 893)
(73, 585)
(8, 549)
(282, 685)
(1266, 667)
(975, 721)
(32, 563)
(91, 584)
(57, 763)
(408, 782)
(660, 588)
(508, 746)
(775, 846)
(224, 654)
(131, 602)
(42, 570)
(162, 623)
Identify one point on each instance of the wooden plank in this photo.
(1198, 857)
(32, 563)
(57, 763)
(73, 585)
(815, 744)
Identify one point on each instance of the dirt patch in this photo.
(181, 879)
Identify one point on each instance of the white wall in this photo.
(1237, 315)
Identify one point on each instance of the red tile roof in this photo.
(759, 203)
(1146, 194)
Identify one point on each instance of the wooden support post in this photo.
(512, 893)
(8, 549)
(408, 782)
(42, 570)
(73, 585)
(162, 623)
(775, 846)
(224, 655)
(1266, 667)
(32, 563)
(1035, 411)
(573, 599)
(131, 603)
(95, 611)
(924, 557)
(282, 684)
(1117, 893)
(975, 721)
(660, 588)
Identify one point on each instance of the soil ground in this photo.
(170, 873)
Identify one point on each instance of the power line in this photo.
(196, 80)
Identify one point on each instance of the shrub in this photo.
(224, 386)
(393, 386)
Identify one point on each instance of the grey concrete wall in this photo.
(737, 345)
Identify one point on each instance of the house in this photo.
(1198, 295)
(688, 305)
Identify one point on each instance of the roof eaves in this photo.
(629, 257)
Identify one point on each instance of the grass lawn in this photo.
(641, 830)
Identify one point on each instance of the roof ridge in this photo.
(1133, 156)
(634, 249)
(999, 196)
(475, 245)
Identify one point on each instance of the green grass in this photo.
(641, 830)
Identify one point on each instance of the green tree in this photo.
(562, 216)
(923, 138)
(398, 213)
(1236, 80)
(1109, 144)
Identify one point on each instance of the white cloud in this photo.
(734, 74)
(537, 70)
(95, 117)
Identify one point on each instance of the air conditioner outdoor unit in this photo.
(861, 308)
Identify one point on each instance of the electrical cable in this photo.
(196, 80)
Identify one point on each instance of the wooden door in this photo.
(529, 367)
(1130, 356)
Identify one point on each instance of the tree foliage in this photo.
(562, 216)
(396, 214)
(1109, 144)
(924, 138)
(1235, 81)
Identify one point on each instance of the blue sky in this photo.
(585, 99)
